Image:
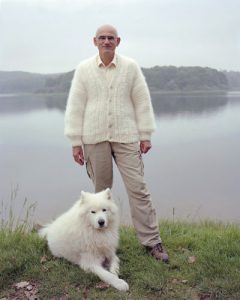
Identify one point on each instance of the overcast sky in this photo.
(50, 36)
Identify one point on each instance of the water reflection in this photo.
(164, 104)
(17, 104)
(190, 104)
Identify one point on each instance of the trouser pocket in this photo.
(141, 167)
(89, 169)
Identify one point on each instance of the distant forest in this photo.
(159, 78)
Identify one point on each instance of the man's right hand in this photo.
(78, 156)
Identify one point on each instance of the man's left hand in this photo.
(145, 146)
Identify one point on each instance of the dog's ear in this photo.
(83, 196)
(109, 194)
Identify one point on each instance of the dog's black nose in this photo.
(101, 222)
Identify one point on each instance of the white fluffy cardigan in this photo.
(116, 111)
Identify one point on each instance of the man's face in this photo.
(106, 40)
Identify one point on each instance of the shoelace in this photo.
(158, 247)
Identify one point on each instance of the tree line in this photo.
(159, 78)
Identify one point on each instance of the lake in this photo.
(192, 171)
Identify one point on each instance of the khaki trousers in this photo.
(129, 162)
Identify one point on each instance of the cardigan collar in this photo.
(112, 63)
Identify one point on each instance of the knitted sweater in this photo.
(116, 111)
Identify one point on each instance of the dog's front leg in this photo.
(106, 276)
(114, 266)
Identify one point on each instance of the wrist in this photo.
(145, 136)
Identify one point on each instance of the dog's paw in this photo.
(121, 285)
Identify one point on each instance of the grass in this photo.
(24, 219)
(205, 264)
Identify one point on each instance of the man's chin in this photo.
(108, 50)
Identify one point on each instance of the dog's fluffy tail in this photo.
(43, 232)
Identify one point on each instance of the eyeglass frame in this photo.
(103, 38)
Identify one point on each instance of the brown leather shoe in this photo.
(159, 253)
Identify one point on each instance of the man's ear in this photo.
(118, 40)
(95, 41)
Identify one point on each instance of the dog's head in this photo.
(99, 209)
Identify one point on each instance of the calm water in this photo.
(193, 168)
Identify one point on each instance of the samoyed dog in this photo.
(87, 235)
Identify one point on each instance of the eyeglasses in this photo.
(102, 38)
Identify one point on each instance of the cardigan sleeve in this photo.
(75, 108)
(143, 106)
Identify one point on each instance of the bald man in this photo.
(109, 117)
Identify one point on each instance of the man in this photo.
(109, 116)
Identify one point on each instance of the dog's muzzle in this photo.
(101, 223)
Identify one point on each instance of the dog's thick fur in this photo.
(87, 235)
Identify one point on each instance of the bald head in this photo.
(106, 40)
(107, 28)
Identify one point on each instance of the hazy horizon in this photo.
(51, 36)
(56, 73)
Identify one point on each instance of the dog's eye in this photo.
(104, 209)
(93, 211)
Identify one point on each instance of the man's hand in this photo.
(145, 146)
(78, 156)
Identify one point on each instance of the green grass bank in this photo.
(204, 264)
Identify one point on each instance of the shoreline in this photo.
(160, 92)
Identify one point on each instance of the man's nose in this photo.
(106, 40)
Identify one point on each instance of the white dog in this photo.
(87, 235)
